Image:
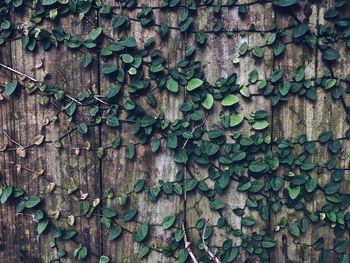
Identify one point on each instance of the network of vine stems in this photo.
(275, 174)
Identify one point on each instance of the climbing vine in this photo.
(275, 174)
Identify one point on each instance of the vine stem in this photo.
(187, 245)
(18, 72)
(35, 80)
(211, 254)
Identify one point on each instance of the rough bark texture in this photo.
(23, 118)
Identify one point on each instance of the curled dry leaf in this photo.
(77, 151)
(51, 187)
(30, 87)
(235, 60)
(70, 220)
(21, 151)
(3, 147)
(55, 214)
(72, 189)
(39, 139)
(18, 168)
(96, 202)
(46, 121)
(39, 64)
(40, 172)
(87, 145)
(83, 196)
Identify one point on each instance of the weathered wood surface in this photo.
(23, 119)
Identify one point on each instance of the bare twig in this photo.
(187, 245)
(195, 128)
(97, 98)
(17, 72)
(210, 253)
(35, 80)
(12, 140)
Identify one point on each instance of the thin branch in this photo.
(187, 245)
(210, 253)
(12, 140)
(34, 80)
(18, 72)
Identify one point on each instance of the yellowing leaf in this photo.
(96, 202)
(21, 151)
(40, 172)
(70, 220)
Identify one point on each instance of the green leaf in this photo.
(129, 214)
(128, 59)
(109, 68)
(229, 100)
(243, 48)
(140, 233)
(155, 144)
(307, 165)
(42, 225)
(104, 259)
(277, 75)
(276, 183)
(83, 128)
(260, 125)
(208, 101)
(253, 76)
(119, 20)
(341, 246)
(236, 119)
(330, 83)
(86, 60)
(32, 201)
(248, 221)
(257, 166)
(95, 33)
(81, 252)
(325, 136)
(278, 49)
(168, 221)
(48, 2)
(268, 243)
(300, 30)
(294, 192)
(109, 212)
(139, 185)
(190, 184)
(217, 204)
(68, 234)
(294, 230)
(113, 91)
(310, 185)
(194, 84)
(11, 87)
(172, 85)
(6, 193)
(181, 156)
(200, 37)
(143, 251)
(115, 232)
(112, 121)
(258, 52)
(130, 151)
(299, 74)
(286, 3)
(71, 108)
(271, 39)
(331, 54)
(284, 88)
